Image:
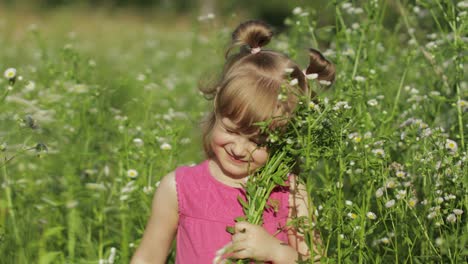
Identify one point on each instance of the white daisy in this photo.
(131, 173)
(371, 215)
(10, 74)
(165, 146)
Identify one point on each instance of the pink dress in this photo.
(207, 206)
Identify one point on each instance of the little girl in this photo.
(196, 204)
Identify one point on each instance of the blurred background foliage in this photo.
(273, 11)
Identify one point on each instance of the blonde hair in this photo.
(251, 82)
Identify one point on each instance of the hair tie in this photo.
(255, 50)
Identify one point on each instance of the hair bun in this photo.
(320, 65)
(254, 33)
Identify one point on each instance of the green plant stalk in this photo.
(278, 165)
(12, 214)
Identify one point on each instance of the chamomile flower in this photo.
(10, 74)
(131, 173)
(352, 215)
(451, 145)
(372, 102)
(138, 142)
(165, 146)
(412, 202)
(312, 76)
(451, 218)
(390, 203)
(325, 82)
(457, 211)
(371, 215)
(360, 79)
(293, 82)
(379, 193)
(379, 152)
(400, 174)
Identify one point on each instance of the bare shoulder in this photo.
(167, 188)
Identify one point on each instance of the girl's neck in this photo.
(227, 179)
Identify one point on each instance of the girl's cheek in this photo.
(260, 156)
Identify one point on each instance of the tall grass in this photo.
(100, 113)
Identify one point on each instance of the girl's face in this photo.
(237, 154)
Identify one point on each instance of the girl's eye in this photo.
(230, 131)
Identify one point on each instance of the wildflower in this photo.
(391, 184)
(341, 105)
(462, 5)
(312, 76)
(128, 188)
(297, 10)
(458, 211)
(30, 86)
(359, 79)
(412, 202)
(451, 145)
(439, 241)
(111, 258)
(314, 106)
(400, 194)
(141, 77)
(379, 152)
(293, 82)
(372, 102)
(371, 215)
(157, 184)
(148, 189)
(288, 70)
(352, 215)
(339, 185)
(451, 218)
(348, 202)
(325, 82)
(390, 203)
(385, 240)
(450, 197)
(131, 173)
(400, 174)
(10, 74)
(431, 215)
(138, 142)
(165, 146)
(439, 200)
(462, 104)
(206, 17)
(379, 193)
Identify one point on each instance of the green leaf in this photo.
(49, 257)
(242, 201)
(230, 230)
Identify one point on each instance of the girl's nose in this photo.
(241, 148)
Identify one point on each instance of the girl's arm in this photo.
(299, 207)
(162, 224)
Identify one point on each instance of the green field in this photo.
(103, 105)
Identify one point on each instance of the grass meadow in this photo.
(101, 106)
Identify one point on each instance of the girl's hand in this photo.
(254, 242)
